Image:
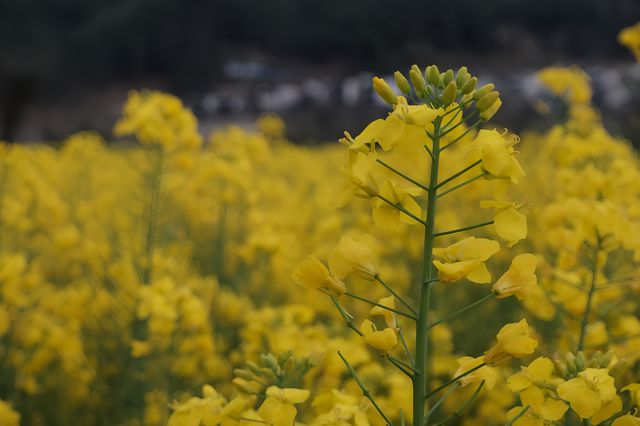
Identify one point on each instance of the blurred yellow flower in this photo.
(520, 280)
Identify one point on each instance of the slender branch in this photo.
(390, 290)
(517, 416)
(592, 289)
(345, 316)
(451, 129)
(460, 311)
(406, 369)
(402, 175)
(450, 144)
(456, 414)
(435, 406)
(466, 228)
(406, 348)
(427, 148)
(466, 182)
(459, 110)
(402, 209)
(455, 379)
(363, 388)
(371, 302)
(455, 175)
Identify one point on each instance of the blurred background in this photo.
(67, 65)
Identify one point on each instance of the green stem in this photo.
(467, 228)
(390, 290)
(403, 367)
(460, 185)
(371, 302)
(455, 379)
(451, 129)
(155, 184)
(345, 316)
(363, 388)
(402, 209)
(456, 414)
(461, 172)
(517, 416)
(402, 175)
(420, 378)
(406, 348)
(462, 310)
(439, 402)
(592, 289)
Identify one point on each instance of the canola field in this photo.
(429, 269)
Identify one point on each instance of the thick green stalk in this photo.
(420, 378)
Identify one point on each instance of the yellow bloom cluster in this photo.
(139, 274)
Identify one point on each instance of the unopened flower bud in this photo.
(246, 386)
(402, 82)
(596, 360)
(385, 91)
(462, 76)
(418, 80)
(487, 100)
(580, 361)
(561, 369)
(448, 77)
(433, 74)
(255, 368)
(483, 91)
(449, 93)
(491, 111)
(270, 361)
(469, 85)
(466, 100)
(243, 374)
(606, 359)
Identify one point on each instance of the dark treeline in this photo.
(48, 45)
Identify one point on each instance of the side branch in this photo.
(363, 388)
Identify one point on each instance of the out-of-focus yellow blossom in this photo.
(572, 83)
(509, 222)
(514, 340)
(389, 317)
(465, 259)
(389, 217)
(278, 408)
(626, 420)
(588, 392)
(383, 340)
(313, 274)
(630, 37)
(497, 155)
(485, 373)
(354, 256)
(520, 280)
(157, 118)
(8, 416)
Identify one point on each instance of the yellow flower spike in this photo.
(497, 155)
(354, 256)
(465, 259)
(311, 273)
(486, 373)
(514, 340)
(520, 280)
(509, 222)
(389, 317)
(587, 392)
(383, 340)
(388, 217)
